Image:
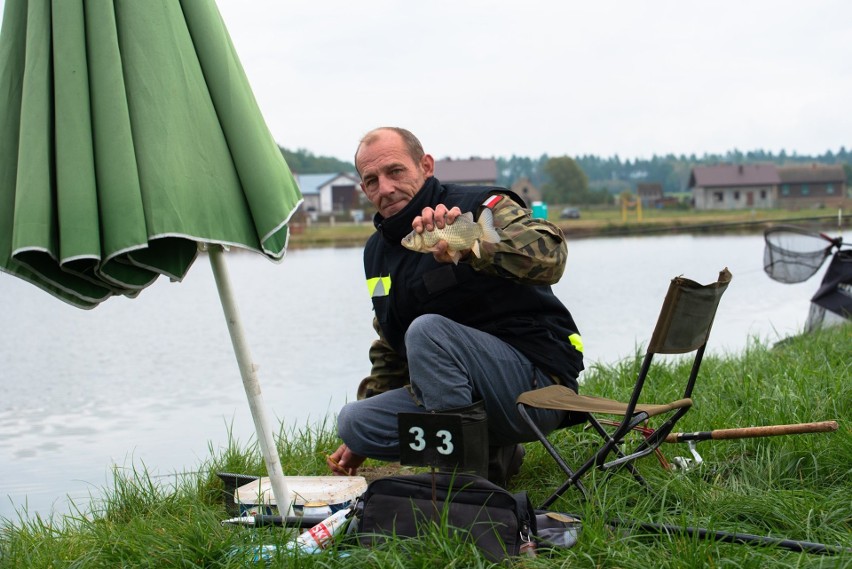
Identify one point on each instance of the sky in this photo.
(491, 78)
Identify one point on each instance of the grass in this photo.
(797, 487)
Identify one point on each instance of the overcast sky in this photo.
(496, 78)
(561, 77)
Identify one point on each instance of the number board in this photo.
(431, 439)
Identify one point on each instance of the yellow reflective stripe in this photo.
(577, 342)
(378, 286)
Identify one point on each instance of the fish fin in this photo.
(486, 222)
(468, 215)
(475, 249)
(455, 256)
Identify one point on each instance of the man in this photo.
(462, 338)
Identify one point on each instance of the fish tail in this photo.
(486, 222)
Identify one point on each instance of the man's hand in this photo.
(429, 218)
(344, 462)
(438, 218)
(442, 253)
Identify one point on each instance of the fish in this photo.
(464, 233)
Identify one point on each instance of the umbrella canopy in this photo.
(129, 137)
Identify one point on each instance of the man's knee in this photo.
(430, 333)
(369, 429)
(424, 327)
(346, 421)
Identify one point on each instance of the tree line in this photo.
(593, 179)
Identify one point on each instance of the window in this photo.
(829, 189)
(805, 190)
(785, 190)
(718, 196)
(763, 194)
(736, 196)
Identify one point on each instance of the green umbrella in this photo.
(129, 140)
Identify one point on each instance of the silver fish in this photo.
(464, 233)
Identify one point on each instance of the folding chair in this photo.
(682, 327)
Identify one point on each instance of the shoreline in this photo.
(603, 224)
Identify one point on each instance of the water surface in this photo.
(153, 381)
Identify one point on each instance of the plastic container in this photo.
(539, 210)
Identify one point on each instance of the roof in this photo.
(813, 174)
(311, 183)
(464, 170)
(733, 175)
(649, 190)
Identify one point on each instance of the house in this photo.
(811, 186)
(330, 193)
(524, 188)
(651, 195)
(734, 186)
(468, 172)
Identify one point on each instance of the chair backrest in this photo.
(687, 315)
(683, 326)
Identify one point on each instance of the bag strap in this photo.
(526, 515)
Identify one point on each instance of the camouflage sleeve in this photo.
(530, 251)
(389, 370)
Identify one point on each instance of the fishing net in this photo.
(832, 302)
(794, 255)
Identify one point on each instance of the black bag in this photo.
(499, 522)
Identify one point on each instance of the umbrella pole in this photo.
(248, 371)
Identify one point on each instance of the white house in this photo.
(330, 193)
(734, 186)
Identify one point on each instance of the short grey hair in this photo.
(412, 144)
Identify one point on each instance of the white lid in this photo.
(329, 489)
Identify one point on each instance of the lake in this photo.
(153, 381)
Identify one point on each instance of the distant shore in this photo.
(609, 223)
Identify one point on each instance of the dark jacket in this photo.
(528, 317)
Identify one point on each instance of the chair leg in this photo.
(633, 470)
(573, 478)
(613, 446)
(596, 460)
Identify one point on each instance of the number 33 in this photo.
(445, 448)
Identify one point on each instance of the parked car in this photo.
(570, 213)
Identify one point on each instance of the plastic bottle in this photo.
(320, 536)
(314, 540)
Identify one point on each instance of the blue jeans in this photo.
(450, 366)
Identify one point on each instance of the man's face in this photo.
(389, 175)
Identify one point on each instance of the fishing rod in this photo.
(733, 537)
(754, 432)
(693, 438)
